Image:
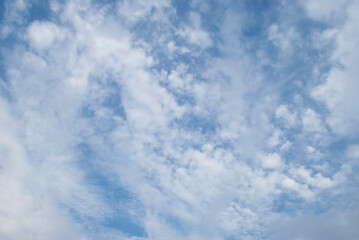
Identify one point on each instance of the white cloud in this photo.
(324, 9)
(275, 140)
(43, 35)
(137, 10)
(331, 225)
(314, 180)
(285, 39)
(27, 207)
(285, 146)
(312, 122)
(194, 33)
(14, 12)
(272, 161)
(289, 118)
(353, 151)
(310, 149)
(338, 91)
(50, 88)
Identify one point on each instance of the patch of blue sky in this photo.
(248, 234)
(113, 101)
(87, 111)
(110, 100)
(292, 77)
(110, 4)
(2, 11)
(6, 43)
(115, 196)
(39, 11)
(149, 30)
(194, 122)
(181, 227)
(101, 125)
(182, 8)
(123, 202)
(288, 203)
(4, 84)
(127, 227)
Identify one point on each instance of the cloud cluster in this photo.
(152, 120)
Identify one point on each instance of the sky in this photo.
(179, 120)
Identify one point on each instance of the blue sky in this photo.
(173, 120)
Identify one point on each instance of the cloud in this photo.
(285, 40)
(311, 121)
(114, 129)
(337, 90)
(272, 161)
(353, 151)
(138, 10)
(43, 35)
(282, 112)
(28, 207)
(193, 32)
(320, 10)
(335, 224)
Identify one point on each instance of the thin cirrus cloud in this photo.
(178, 120)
